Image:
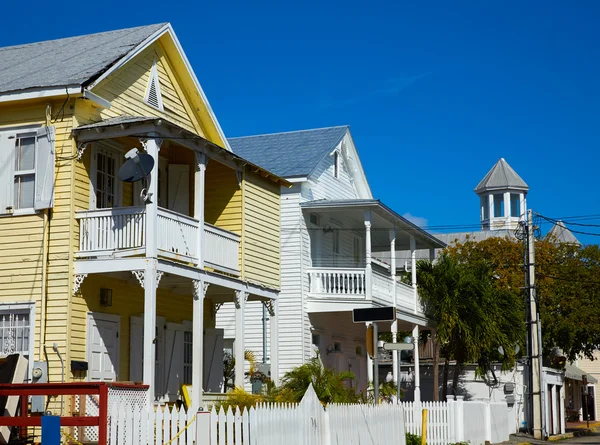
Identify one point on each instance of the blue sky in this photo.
(435, 92)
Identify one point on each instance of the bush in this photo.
(413, 439)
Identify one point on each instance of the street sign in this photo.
(398, 346)
(386, 313)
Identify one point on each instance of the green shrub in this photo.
(413, 439)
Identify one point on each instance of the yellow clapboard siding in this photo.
(223, 198)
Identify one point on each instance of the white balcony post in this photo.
(240, 303)
(368, 268)
(413, 270)
(200, 289)
(561, 403)
(150, 284)
(507, 214)
(395, 354)
(199, 191)
(369, 363)
(274, 356)
(417, 380)
(152, 146)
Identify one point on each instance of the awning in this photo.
(574, 373)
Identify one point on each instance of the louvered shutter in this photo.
(7, 165)
(44, 168)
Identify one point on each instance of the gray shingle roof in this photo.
(561, 234)
(295, 153)
(501, 176)
(67, 62)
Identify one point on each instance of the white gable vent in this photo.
(153, 96)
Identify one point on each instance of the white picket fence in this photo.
(309, 423)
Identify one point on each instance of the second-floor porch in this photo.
(345, 237)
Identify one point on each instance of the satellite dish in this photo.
(137, 167)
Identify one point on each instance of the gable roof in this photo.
(561, 234)
(290, 154)
(69, 62)
(501, 176)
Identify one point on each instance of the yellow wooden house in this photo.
(108, 271)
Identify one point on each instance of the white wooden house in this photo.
(331, 227)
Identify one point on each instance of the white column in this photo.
(507, 214)
(523, 203)
(240, 303)
(555, 410)
(491, 207)
(413, 271)
(368, 269)
(561, 400)
(199, 187)
(198, 344)
(415, 334)
(369, 363)
(152, 146)
(274, 358)
(148, 370)
(395, 354)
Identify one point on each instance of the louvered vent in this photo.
(153, 96)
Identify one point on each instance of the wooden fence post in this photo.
(424, 427)
(203, 428)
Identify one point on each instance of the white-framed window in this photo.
(17, 326)
(106, 189)
(27, 174)
(336, 164)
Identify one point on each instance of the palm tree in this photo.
(330, 386)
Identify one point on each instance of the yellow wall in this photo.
(222, 198)
(262, 230)
(127, 301)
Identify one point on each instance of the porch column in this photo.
(150, 284)
(561, 399)
(395, 354)
(200, 288)
(199, 187)
(507, 214)
(240, 303)
(369, 363)
(368, 269)
(415, 334)
(413, 270)
(152, 146)
(555, 409)
(274, 325)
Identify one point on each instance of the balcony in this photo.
(350, 285)
(121, 232)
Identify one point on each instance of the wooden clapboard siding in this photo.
(261, 231)
(21, 236)
(126, 89)
(592, 367)
(128, 301)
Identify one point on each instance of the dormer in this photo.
(503, 198)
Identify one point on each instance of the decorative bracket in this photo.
(144, 142)
(80, 149)
(159, 275)
(139, 274)
(200, 288)
(200, 161)
(238, 174)
(216, 307)
(77, 282)
(268, 304)
(239, 294)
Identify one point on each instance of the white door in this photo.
(179, 188)
(173, 378)
(103, 347)
(213, 360)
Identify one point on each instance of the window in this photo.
(515, 205)
(187, 357)
(485, 209)
(337, 346)
(336, 165)
(27, 176)
(498, 205)
(106, 188)
(16, 336)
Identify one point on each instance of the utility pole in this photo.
(535, 370)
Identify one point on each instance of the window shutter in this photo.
(44, 168)
(136, 349)
(7, 165)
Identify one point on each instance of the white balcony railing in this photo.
(336, 283)
(350, 283)
(122, 232)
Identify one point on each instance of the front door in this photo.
(103, 347)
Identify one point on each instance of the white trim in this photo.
(105, 317)
(97, 99)
(109, 148)
(297, 179)
(36, 93)
(145, 44)
(154, 80)
(24, 306)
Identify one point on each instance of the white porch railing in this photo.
(122, 232)
(405, 296)
(336, 282)
(221, 249)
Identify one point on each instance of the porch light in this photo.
(105, 297)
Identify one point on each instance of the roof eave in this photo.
(74, 90)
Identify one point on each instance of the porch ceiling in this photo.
(350, 214)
